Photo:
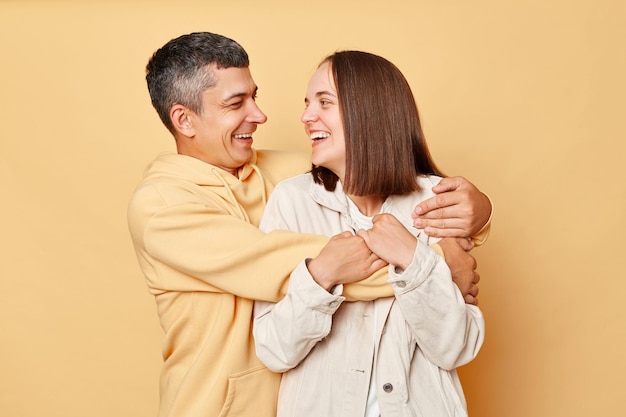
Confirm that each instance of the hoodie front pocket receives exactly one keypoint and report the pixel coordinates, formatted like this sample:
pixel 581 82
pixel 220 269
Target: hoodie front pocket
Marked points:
pixel 252 393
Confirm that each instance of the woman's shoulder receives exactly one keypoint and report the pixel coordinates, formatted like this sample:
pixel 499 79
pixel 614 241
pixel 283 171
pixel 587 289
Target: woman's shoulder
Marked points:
pixel 294 185
pixel 428 181
pixel 426 184
pixel 279 165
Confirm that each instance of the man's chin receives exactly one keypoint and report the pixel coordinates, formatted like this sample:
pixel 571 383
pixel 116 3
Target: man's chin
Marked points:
pixel 244 156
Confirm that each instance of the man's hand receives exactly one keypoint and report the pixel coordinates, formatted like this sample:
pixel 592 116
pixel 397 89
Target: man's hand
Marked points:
pixel 458 210
pixel 462 266
pixel 390 240
pixel 345 259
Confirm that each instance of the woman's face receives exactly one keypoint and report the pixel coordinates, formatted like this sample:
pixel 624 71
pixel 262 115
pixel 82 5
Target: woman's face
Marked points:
pixel 323 124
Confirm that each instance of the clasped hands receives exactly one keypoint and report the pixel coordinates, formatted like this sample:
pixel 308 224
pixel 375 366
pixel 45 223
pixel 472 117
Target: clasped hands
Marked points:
pixel 349 258
pixel 458 209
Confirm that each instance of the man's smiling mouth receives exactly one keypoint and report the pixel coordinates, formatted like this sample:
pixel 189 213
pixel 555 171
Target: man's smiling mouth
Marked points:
pixel 243 136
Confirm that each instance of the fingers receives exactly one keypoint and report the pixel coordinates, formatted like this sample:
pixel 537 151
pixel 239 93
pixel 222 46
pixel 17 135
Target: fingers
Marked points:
pixel 466 244
pixel 434 206
pixel 390 240
pixel 457 209
pixel 442 231
pixel 470 299
pixel 377 264
pixel 363 234
pixel 449 184
pixel 456 217
pixel 462 267
pixel 342 235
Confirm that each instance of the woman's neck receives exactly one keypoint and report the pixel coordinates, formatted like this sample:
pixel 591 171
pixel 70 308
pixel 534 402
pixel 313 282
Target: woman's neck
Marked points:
pixel 369 205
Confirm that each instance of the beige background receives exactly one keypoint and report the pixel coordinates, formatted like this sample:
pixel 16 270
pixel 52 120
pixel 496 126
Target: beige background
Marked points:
pixel 525 98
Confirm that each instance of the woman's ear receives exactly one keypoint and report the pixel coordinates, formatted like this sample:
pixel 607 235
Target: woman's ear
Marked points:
pixel 182 120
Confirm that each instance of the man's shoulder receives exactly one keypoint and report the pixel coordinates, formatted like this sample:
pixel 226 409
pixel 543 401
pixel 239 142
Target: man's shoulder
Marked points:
pixel 280 165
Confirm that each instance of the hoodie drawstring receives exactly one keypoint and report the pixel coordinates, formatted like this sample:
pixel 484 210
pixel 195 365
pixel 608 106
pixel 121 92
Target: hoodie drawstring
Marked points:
pixel 242 212
pixel 258 171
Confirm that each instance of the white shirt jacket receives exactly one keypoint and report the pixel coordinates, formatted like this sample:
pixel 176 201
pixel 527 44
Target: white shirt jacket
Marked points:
pixel 327 348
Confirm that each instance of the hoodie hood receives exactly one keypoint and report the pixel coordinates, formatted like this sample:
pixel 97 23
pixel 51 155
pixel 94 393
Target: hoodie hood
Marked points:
pixel 242 193
pixel 169 164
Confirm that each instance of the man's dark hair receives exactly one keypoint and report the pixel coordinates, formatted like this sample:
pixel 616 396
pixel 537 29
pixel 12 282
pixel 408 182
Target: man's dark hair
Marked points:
pixel 180 71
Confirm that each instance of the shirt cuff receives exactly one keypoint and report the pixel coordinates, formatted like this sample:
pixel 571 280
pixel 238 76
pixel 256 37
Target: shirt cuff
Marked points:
pixel 424 260
pixel 311 293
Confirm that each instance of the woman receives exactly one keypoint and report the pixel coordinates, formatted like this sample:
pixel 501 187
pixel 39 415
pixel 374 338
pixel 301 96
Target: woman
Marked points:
pixel 389 357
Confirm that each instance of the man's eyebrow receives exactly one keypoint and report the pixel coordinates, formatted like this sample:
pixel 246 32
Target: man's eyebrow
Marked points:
pixel 241 94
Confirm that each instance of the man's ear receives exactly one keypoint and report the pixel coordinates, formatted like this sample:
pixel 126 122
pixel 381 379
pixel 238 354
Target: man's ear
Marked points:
pixel 182 120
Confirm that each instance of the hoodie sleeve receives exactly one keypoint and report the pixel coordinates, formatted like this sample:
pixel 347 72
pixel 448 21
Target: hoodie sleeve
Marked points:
pixel 199 246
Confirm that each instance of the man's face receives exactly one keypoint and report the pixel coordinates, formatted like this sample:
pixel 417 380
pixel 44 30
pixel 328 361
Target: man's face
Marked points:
pixel 229 117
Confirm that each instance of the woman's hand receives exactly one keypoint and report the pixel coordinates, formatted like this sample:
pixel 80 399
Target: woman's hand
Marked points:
pixel 390 240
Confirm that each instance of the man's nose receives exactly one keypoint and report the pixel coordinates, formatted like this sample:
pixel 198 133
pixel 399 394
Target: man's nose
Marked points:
pixel 256 115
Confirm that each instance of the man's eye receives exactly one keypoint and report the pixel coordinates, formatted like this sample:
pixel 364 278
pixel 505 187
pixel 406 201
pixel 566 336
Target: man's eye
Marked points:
pixel 236 105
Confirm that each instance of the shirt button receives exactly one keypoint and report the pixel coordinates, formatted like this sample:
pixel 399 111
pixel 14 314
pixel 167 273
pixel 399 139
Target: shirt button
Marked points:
pixel 387 387
pixel 401 284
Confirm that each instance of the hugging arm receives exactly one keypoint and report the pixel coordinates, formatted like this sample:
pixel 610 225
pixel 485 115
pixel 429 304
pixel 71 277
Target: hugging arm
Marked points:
pixel 462 266
pixel 458 210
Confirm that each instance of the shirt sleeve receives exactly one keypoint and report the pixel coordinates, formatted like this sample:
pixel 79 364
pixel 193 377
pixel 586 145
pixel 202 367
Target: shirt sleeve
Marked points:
pixel 285 332
pixel 449 331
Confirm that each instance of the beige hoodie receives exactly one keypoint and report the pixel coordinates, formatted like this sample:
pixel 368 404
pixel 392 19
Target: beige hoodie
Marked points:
pixel 194 227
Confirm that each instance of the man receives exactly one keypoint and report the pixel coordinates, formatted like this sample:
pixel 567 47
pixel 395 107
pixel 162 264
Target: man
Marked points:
pixel 194 218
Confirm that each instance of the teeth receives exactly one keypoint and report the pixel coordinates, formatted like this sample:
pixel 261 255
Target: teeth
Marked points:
pixel 243 136
pixel 319 135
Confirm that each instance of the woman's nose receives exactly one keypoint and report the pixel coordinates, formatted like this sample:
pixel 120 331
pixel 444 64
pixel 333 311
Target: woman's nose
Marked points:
pixel 308 115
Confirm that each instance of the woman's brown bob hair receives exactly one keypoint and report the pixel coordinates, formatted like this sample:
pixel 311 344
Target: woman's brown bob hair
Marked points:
pixel 385 146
